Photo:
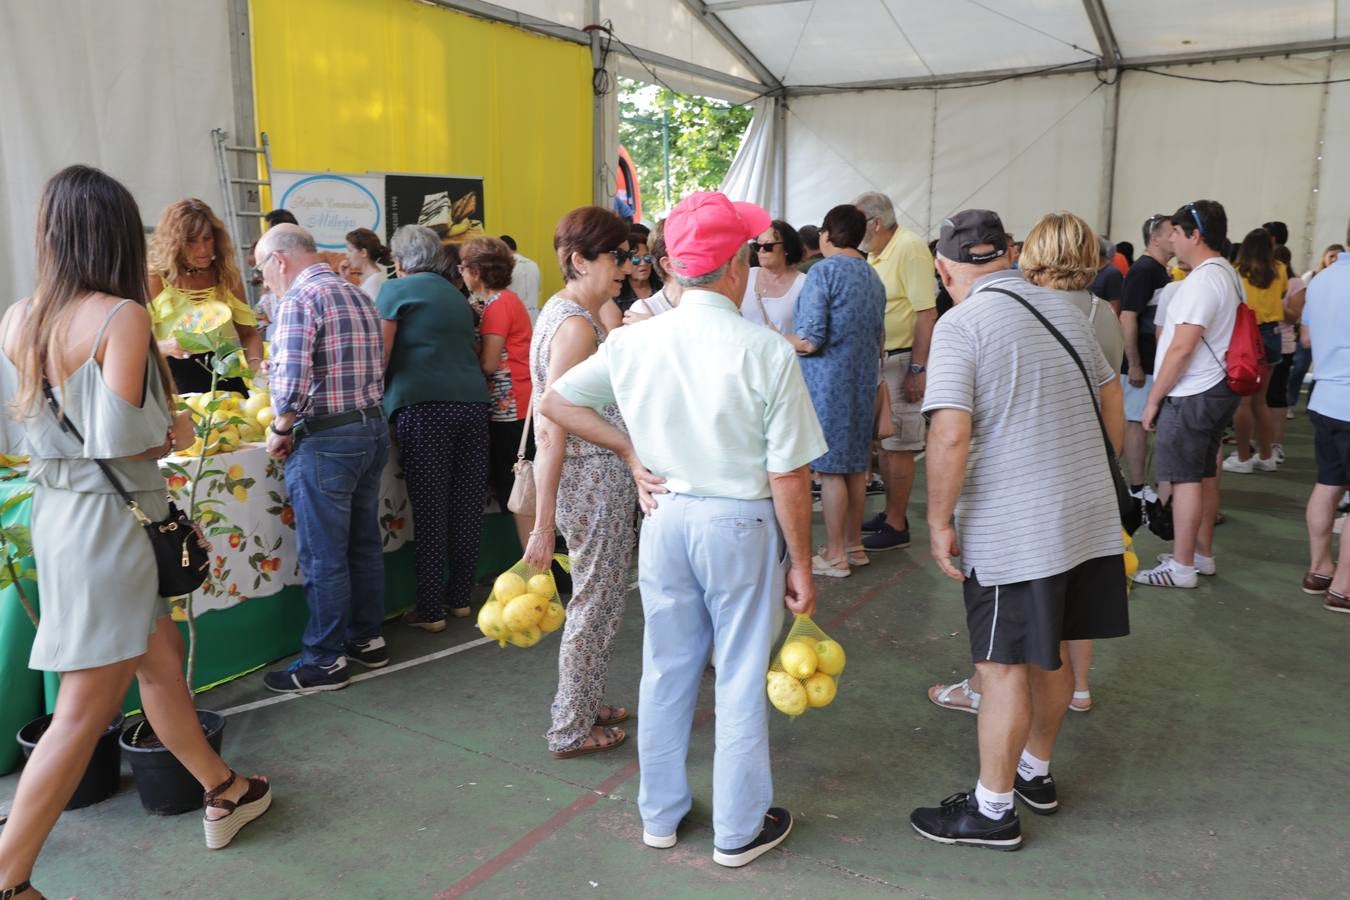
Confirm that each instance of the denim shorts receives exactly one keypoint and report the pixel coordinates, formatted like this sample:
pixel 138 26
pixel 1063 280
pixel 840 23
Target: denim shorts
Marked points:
pixel 1270 340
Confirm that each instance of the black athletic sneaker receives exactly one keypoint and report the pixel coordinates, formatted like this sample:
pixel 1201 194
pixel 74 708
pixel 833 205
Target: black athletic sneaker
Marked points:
pixel 875 488
pixel 1038 794
pixel 959 821
pixel 875 523
pixel 887 537
pixel 300 679
pixel 777 825
pixel 372 654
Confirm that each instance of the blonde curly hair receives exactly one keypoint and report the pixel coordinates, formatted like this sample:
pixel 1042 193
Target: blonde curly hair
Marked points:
pixel 1060 252
pixel 181 222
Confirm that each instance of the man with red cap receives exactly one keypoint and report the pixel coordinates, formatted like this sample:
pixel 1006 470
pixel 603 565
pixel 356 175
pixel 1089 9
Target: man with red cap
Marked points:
pixel 721 426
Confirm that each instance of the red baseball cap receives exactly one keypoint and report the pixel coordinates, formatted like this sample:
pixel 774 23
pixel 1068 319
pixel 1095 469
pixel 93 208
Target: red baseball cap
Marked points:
pixel 705 230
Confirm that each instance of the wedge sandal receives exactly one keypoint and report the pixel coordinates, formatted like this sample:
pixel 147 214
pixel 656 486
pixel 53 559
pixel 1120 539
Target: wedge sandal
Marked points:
pixel 238 813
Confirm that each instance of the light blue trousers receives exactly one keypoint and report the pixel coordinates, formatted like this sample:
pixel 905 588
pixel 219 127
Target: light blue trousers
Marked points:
pixel 712 573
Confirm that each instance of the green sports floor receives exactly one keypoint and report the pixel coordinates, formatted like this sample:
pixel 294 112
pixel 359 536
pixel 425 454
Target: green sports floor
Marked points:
pixel 1212 766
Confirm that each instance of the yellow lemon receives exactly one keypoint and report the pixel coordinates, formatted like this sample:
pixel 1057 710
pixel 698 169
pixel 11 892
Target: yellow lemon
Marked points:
pixel 490 621
pixel 255 402
pixel 830 657
pixel 526 637
pixel 820 690
pixel 798 659
pixel 542 584
pixel 1131 563
pixel 508 586
pixel 786 694
pixel 553 618
pixel 265 417
pixel 524 611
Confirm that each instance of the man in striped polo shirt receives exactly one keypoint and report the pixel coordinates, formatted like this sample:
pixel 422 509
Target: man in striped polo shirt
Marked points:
pixel 1017 456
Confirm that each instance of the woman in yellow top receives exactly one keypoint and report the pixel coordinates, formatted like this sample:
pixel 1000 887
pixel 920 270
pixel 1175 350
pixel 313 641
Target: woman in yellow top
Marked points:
pixel 195 286
pixel 1264 281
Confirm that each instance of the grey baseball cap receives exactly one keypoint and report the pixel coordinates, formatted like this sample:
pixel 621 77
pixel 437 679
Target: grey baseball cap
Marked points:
pixel 972 228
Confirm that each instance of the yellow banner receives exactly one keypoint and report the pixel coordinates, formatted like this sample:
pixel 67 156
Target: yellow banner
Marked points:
pixel 399 86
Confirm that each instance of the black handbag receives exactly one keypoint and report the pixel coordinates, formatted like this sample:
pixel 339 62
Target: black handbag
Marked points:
pixel 180 558
pixel 1126 504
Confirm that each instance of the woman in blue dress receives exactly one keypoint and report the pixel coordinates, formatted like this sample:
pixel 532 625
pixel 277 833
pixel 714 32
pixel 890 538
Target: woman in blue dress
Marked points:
pixel 839 333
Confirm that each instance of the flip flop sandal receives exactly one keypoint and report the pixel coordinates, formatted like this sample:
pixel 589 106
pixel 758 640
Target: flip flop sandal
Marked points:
pixel 238 813
pixel 616 715
pixel 941 695
pixel 1083 697
pixel 595 747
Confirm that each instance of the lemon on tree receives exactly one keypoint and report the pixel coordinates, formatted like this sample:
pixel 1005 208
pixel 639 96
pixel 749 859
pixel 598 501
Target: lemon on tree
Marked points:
pixel 830 657
pixel 798 659
pixel 820 689
pixel 786 693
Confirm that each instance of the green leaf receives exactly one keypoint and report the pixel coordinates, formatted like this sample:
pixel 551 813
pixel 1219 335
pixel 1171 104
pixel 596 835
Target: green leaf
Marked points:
pixel 16 500
pixel 194 342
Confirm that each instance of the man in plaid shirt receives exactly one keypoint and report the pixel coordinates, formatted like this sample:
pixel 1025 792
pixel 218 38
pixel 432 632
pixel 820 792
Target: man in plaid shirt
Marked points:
pixel 327 381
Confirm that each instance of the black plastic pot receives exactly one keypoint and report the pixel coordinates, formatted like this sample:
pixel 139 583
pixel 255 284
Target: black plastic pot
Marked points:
pixel 105 768
pixel 166 788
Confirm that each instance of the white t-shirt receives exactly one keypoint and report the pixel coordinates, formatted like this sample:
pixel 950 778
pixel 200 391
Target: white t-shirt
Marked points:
pixel 371 284
pixel 1161 300
pixel 653 305
pixel 525 283
pixel 775 312
pixel 1208 297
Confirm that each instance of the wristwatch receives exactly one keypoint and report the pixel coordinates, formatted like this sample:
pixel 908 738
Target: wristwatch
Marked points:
pixel 272 427
pixel 915 369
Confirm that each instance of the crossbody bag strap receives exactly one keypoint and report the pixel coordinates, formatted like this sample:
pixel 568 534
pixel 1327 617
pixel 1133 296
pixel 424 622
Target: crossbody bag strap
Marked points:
pixel 525 432
pixel 68 426
pixel 1092 389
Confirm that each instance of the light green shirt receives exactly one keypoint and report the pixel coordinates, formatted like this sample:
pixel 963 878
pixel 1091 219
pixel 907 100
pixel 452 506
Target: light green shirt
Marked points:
pixel 713 403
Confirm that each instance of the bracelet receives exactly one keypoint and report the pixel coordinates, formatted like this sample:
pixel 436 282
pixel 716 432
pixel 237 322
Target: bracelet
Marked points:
pixel 272 427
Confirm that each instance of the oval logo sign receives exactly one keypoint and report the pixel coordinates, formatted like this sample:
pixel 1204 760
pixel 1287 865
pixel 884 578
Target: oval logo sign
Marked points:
pixel 329 206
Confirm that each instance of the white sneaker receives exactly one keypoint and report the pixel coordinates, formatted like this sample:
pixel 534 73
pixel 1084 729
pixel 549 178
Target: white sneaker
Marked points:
pixel 1202 567
pixel 1233 464
pixel 1264 464
pixel 660 842
pixel 1166 575
pixel 1277 451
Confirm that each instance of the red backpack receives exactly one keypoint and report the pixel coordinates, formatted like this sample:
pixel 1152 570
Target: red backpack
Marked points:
pixel 1248 371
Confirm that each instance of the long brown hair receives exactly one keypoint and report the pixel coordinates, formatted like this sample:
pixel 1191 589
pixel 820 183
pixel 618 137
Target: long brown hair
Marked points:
pixel 181 222
pixel 89 239
pixel 1256 258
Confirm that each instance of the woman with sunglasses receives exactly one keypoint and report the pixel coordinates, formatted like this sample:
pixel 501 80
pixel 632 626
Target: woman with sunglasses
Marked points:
pixel 644 281
pixel 771 293
pixel 587 490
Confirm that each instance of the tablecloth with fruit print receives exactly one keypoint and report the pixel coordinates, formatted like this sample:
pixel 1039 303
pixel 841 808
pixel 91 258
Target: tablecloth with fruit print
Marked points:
pixel 244 508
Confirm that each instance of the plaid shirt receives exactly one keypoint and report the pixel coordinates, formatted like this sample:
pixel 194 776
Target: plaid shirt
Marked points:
pixel 327 347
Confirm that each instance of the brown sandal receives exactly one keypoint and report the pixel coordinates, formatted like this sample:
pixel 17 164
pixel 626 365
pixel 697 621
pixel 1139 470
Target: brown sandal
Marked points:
pixel 590 745
pixel 238 813
pixel 616 714
pixel 17 890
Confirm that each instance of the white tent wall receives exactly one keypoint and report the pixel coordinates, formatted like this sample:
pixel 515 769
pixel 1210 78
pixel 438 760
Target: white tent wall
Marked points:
pixel 1020 147
pixel 132 87
pixel 1332 207
pixel 1252 148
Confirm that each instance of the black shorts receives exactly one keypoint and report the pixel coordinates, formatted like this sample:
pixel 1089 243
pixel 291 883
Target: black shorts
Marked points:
pixel 1277 394
pixel 1023 623
pixel 1189 431
pixel 503 447
pixel 1331 445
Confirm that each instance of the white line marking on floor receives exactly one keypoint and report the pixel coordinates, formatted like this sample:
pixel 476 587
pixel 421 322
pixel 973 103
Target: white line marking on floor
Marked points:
pixel 364 676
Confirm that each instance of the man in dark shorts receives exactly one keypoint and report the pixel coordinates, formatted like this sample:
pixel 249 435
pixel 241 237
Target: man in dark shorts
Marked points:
pixel 1190 403
pixel 1039 527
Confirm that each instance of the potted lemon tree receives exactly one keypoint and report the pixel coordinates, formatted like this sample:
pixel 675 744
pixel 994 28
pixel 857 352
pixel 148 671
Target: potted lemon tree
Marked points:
pixel 165 786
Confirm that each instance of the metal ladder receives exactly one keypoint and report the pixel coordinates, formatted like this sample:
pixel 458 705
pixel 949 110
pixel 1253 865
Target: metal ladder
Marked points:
pixel 242 217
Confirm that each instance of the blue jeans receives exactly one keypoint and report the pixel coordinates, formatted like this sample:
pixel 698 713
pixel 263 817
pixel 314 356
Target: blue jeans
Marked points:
pixel 333 478
pixel 712 573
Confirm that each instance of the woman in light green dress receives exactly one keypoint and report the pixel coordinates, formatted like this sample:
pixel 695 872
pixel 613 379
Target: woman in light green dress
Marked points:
pixel 86 329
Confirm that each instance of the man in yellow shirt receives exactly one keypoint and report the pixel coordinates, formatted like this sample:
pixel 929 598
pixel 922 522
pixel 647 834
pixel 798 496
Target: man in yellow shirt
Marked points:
pixel 901 259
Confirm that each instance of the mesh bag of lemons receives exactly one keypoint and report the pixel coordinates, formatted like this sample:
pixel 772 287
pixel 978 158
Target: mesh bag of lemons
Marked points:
pixel 805 673
pixel 523 606
pixel 1131 560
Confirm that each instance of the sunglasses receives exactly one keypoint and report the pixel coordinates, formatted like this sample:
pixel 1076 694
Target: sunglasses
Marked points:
pixel 1196 216
pixel 619 256
pixel 766 247
pixel 641 260
pixel 1153 221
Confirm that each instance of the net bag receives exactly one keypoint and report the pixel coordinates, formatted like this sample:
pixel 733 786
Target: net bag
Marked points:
pixel 523 606
pixel 805 670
